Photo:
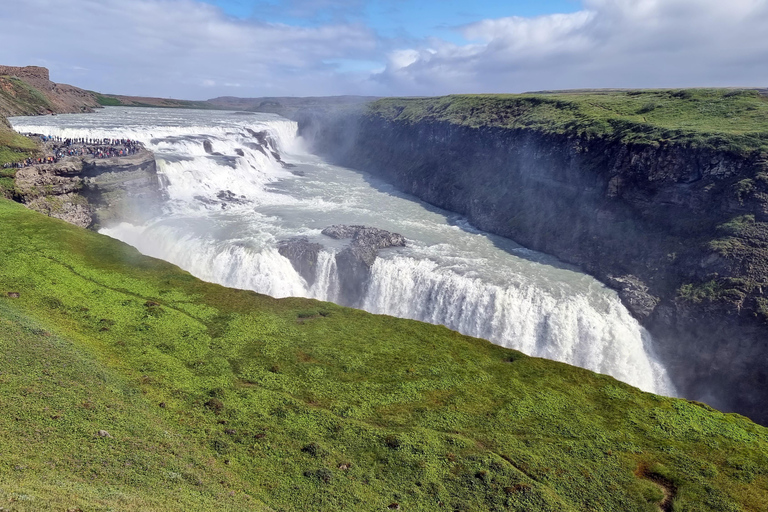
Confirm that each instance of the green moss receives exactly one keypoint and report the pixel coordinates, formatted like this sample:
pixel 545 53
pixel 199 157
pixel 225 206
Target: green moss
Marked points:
pixel 13 147
pixel 743 189
pixel 107 101
pixel 719 119
pixel 229 400
pixel 698 293
pixel 26 100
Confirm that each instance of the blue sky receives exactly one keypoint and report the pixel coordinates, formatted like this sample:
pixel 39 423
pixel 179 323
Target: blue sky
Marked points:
pixel 199 49
pixel 393 18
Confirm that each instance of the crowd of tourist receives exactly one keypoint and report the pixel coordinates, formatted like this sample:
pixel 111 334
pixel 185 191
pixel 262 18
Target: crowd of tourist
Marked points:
pixel 60 148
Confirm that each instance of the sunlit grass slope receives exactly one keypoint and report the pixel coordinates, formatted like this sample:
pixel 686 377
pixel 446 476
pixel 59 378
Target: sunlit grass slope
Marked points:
pixel 734 120
pixel 13 147
pixel 218 399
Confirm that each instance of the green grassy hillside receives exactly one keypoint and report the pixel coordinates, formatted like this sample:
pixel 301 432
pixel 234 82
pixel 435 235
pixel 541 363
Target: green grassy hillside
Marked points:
pixel 13 147
pixel 113 100
pixel 219 399
pixel 735 120
pixel 17 97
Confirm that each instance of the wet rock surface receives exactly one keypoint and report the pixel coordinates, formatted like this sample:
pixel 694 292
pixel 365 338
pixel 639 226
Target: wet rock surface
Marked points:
pixel 355 261
pixel 267 145
pixel 88 191
pixel 681 232
pixel 634 294
pixel 303 256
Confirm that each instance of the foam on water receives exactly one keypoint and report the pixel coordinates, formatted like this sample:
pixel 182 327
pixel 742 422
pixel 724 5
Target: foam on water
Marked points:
pixel 451 273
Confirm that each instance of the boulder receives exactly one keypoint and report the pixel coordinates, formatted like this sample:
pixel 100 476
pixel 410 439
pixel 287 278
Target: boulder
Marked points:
pixel 303 256
pixel 354 262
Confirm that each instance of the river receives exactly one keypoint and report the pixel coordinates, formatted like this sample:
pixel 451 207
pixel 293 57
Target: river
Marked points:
pixel 239 183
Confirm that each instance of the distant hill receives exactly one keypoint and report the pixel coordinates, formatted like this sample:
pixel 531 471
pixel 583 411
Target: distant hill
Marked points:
pixel 288 106
pixel 29 91
pixel 118 100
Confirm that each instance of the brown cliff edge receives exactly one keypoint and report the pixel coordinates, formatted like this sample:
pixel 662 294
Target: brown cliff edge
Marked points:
pixel 29 91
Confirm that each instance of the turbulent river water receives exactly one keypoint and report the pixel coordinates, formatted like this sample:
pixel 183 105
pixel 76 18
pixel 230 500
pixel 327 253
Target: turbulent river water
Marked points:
pixel 231 200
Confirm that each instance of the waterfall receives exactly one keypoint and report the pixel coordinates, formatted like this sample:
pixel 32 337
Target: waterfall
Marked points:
pixel 232 198
pixel 599 335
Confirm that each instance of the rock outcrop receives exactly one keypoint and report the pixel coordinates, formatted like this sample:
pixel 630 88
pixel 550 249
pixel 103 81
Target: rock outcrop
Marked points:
pixel 92 192
pixel 26 72
pixel 679 231
pixel 355 261
pixel 29 91
pixel 303 256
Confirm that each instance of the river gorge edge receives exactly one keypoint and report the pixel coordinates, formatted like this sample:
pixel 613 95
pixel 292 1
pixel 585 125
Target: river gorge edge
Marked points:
pixel 649 220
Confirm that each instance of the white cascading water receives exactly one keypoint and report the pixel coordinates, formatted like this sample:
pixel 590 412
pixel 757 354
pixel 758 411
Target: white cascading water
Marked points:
pixel 231 201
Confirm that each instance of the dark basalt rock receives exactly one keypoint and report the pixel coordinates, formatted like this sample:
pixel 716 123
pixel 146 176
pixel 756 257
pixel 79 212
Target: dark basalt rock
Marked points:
pixel 208 147
pixel 685 228
pixel 634 294
pixel 365 236
pixel 88 191
pixel 227 196
pixel 267 145
pixel 354 263
pixel 303 256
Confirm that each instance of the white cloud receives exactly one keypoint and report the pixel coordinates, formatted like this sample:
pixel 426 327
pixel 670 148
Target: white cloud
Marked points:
pixel 179 48
pixel 186 48
pixel 610 43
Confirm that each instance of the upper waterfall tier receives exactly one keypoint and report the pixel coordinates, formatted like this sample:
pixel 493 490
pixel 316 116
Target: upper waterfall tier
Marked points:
pixel 239 185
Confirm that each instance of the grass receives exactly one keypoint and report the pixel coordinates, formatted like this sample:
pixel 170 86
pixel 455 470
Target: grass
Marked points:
pixel 229 400
pixel 13 147
pixel 109 100
pixel 720 119
pixel 21 98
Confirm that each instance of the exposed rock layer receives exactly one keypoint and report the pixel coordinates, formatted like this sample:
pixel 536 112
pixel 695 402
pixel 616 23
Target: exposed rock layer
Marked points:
pixel 29 91
pixel 655 222
pixel 89 192
pixel 355 261
pixel 303 256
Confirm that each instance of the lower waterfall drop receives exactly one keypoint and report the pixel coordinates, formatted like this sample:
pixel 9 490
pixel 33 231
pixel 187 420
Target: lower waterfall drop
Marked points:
pixel 238 186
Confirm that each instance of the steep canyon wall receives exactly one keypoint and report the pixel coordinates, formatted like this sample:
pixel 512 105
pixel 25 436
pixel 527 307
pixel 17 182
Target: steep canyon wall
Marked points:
pixel 677 230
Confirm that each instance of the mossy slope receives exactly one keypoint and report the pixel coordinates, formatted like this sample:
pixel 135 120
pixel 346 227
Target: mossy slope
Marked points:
pixel 721 119
pixel 222 399
pixel 13 147
pixel 114 100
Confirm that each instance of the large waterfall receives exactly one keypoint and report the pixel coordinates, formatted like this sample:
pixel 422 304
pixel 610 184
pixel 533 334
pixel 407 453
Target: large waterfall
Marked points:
pixel 238 184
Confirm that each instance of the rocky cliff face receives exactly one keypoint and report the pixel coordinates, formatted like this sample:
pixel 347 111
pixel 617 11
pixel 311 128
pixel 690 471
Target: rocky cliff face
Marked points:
pixel 29 91
pixel 678 231
pixel 92 192
pixel 354 262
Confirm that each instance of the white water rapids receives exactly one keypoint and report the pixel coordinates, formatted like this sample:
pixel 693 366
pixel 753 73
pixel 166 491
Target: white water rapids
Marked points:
pixel 227 211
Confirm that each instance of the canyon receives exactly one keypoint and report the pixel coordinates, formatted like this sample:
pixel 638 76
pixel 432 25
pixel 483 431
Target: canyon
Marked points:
pixel 677 229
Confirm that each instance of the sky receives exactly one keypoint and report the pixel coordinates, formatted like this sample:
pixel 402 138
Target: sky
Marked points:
pixel 200 49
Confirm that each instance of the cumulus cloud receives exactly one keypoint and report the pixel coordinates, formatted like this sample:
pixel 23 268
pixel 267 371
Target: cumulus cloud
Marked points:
pixel 190 49
pixel 610 43
pixel 179 48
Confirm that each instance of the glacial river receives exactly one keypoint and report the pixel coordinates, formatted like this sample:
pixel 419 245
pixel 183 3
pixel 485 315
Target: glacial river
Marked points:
pixel 231 201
